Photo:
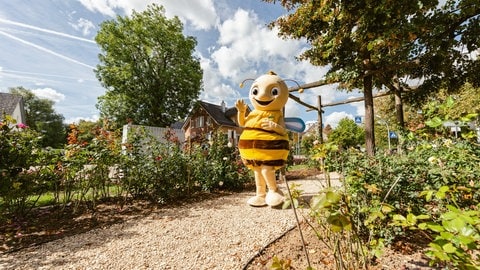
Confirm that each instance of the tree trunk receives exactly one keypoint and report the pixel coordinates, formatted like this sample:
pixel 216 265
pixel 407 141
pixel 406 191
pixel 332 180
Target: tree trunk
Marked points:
pixel 369 116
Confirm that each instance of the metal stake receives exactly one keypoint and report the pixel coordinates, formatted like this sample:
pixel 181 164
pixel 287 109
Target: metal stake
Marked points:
pixel 282 175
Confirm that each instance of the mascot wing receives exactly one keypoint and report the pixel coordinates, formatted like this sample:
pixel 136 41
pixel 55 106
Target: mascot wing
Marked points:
pixel 294 124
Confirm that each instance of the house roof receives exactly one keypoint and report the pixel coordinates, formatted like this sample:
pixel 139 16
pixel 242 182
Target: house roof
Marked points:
pixel 217 113
pixel 8 103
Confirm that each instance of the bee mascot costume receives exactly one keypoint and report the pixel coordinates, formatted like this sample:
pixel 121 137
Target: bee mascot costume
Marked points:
pixel 263 144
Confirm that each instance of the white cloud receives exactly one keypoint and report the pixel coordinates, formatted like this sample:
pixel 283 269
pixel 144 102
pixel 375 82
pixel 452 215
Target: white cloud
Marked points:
pixel 360 108
pixel 214 89
pixel 238 28
pixel 200 13
pixel 49 93
pixel 335 117
pixel 247 47
pixel 292 109
pixel 76 120
pixel 102 6
pixel 83 25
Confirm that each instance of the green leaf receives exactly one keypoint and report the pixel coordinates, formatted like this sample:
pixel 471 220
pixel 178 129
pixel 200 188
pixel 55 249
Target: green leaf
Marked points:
pixel 286 204
pixel 454 225
pixel 387 208
pixel 435 227
pixel 422 217
pixel 434 122
pixel 441 193
pixel 422 226
pixel 449 248
pixel 318 202
pixel 449 102
pixel 295 202
pixel 339 222
pixel 398 217
pixel 333 197
pixel 449 215
pixel 447 235
pixel 468 231
pixel 428 194
pixel 465 240
pixel 411 219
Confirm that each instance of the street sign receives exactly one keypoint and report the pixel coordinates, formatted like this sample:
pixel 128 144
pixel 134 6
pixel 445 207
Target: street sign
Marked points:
pixel 358 119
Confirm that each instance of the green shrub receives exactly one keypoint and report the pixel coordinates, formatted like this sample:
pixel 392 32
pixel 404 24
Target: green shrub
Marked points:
pixel 164 171
pixel 19 167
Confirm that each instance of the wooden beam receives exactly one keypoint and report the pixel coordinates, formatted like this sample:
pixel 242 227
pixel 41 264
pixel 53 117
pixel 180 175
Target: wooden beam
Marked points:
pixel 297 99
pixel 309 85
pixel 358 99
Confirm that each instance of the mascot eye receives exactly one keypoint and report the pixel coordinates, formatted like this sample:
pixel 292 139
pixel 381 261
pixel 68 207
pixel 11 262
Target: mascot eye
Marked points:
pixel 275 91
pixel 255 91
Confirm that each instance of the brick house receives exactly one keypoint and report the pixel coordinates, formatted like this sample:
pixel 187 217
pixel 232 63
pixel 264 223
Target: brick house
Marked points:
pixel 205 118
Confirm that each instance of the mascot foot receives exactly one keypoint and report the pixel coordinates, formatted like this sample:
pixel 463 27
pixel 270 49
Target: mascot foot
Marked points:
pixel 257 201
pixel 274 198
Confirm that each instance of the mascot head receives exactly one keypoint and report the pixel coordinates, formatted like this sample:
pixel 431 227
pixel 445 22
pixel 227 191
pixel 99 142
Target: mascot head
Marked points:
pixel 269 93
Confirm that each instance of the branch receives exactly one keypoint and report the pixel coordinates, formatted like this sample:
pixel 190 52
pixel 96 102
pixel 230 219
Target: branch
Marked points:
pixel 413 63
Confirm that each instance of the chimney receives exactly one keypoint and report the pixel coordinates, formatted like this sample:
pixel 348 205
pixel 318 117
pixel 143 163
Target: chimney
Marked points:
pixel 223 106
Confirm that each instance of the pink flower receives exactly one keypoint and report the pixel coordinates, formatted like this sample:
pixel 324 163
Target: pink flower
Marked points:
pixel 22 125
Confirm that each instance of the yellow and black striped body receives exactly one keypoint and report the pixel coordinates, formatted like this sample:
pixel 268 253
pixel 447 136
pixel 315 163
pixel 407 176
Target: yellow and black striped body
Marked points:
pixel 262 147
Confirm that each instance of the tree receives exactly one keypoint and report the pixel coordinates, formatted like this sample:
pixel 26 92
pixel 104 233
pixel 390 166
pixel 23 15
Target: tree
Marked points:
pixel 466 101
pixel 347 134
pixel 148 69
pixel 41 117
pixel 381 44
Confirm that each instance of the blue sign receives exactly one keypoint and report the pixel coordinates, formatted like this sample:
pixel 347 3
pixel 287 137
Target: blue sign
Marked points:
pixel 392 135
pixel 358 119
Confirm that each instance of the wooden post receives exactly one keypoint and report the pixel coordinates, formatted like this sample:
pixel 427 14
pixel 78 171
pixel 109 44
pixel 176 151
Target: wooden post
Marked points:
pixel 320 121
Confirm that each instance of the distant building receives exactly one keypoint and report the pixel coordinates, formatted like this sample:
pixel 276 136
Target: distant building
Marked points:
pixel 12 105
pixel 312 130
pixel 206 118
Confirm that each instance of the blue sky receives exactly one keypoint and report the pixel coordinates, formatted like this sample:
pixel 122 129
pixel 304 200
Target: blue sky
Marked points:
pixel 48 47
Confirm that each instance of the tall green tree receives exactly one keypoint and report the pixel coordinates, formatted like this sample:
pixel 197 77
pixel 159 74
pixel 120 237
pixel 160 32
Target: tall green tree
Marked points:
pixel 41 117
pixel 148 68
pixel 380 44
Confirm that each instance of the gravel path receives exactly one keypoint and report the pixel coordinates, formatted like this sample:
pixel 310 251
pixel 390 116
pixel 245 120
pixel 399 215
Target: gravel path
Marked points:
pixel 223 233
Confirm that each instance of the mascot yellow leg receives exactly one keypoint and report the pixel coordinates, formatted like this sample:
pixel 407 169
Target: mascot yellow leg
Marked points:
pixel 265 177
pixel 274 196
pixel 261 190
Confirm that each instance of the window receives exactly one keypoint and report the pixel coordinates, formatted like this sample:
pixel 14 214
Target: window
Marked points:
pixel 200 121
